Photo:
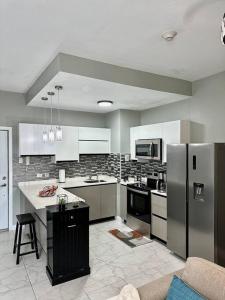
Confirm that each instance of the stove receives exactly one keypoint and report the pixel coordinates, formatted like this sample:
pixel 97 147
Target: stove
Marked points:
pixel 139 204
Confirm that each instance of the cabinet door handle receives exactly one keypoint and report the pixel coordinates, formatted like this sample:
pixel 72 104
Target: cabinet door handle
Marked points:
pixel 70 226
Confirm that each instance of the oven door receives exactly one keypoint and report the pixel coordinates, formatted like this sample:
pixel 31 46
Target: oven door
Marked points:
pixel 139 204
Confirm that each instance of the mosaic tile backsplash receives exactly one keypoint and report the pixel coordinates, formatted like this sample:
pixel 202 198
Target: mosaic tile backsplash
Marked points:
pixel 88 165
pixel 111 164
pixel 134 168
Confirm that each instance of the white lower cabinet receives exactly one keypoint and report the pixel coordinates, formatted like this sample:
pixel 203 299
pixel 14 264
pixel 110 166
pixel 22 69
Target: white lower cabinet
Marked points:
pixel 159 228
pixel 123 202
pixel 159 216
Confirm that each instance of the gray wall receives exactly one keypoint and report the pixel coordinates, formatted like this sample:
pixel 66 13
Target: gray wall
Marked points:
pixel 120 122
pixel 113 122
pixel 128 118
pixel 13 110
pixel 206 109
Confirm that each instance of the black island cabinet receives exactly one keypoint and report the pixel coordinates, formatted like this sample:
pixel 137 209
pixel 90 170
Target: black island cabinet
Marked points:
pixel 67 242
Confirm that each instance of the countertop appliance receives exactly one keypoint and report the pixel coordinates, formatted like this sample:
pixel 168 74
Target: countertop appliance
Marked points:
pixel 139 204
pixel 195 200
pixel 62 175
pixel 67 242
pixel 161 182
pixel 148 149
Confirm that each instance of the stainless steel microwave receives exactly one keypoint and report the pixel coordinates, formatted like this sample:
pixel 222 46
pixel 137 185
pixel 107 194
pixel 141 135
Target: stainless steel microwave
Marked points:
pixel 149 149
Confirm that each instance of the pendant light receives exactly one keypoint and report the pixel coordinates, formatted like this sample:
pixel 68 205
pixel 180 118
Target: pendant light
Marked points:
pixel 59 133
pixel 45 133
pixel 51 134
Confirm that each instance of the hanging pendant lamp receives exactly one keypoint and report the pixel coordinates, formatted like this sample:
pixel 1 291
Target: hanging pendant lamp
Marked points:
pixel 59 132
pixel 51 134
pixel 45 133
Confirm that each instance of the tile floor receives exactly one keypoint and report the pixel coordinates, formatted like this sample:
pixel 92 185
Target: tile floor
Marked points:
pixel 113 265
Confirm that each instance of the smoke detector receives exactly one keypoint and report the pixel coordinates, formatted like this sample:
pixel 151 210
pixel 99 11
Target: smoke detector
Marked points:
pixel 169 35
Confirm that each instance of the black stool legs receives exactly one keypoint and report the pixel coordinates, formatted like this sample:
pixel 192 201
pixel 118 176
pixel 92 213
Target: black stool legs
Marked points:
pixel 19 245
pixel 25 219
pixel 15 239
pixel 35 241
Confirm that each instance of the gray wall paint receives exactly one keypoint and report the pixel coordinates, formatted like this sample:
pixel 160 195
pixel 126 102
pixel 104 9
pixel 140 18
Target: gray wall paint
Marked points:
pixel 128 118
pixel 206 109
pixel 120 122
pixel 13 109
pixel 103 71
pixel 113 122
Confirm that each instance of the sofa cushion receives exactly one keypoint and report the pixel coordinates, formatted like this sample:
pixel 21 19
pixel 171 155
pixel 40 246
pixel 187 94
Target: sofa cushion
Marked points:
pixel 157 289
pixel 180 290
pixel 205 277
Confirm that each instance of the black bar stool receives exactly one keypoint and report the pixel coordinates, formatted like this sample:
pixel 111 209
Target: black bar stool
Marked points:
pixel 25 219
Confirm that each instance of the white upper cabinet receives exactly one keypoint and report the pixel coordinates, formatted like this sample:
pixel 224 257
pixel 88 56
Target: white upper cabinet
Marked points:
pixel 94 147
pixel 174 132
pixel 153 131
pixel 83 140
pixel 31 140
pixel 94 140
pixel 68 148
pixel 94 134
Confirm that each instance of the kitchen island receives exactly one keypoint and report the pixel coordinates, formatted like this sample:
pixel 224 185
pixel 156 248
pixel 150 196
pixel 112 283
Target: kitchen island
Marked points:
pixel 37 205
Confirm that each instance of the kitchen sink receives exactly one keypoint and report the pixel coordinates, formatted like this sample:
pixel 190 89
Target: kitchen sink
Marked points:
pixel 94 181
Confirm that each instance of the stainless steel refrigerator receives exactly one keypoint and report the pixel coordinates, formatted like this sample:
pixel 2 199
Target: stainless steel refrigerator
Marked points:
pixel 196 200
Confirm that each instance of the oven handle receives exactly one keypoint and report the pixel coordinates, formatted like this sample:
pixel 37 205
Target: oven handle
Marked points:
pixel 137 191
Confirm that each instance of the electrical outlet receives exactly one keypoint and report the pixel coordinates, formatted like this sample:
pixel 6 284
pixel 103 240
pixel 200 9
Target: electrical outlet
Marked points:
pixel 46 175
pixel 39 175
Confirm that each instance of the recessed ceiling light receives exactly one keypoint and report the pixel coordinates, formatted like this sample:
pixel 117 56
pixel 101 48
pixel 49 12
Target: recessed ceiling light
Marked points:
pixel 105 103
pixel 169 35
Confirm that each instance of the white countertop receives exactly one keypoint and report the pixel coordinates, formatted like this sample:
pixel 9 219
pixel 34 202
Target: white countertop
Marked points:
pixel 31 189
pixel 163 194
pixel 130 181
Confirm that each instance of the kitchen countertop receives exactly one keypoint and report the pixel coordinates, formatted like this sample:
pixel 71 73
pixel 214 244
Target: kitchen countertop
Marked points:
pixel 156 192
pixel 131 181
pixel 30 189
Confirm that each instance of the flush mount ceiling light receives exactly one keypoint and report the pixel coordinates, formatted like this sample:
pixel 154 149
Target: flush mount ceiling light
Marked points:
pixel 44 98
pixel 169 35
pixel 105 103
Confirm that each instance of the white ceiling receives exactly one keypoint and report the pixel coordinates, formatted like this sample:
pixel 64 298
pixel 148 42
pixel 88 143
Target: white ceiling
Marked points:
pixel 121 32
pixel 82 93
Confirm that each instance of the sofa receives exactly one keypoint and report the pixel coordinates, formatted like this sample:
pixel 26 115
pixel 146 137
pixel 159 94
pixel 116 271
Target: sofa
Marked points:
pixel 203 276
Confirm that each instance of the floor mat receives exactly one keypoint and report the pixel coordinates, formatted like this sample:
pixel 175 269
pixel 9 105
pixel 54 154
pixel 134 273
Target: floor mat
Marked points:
pixel 130 238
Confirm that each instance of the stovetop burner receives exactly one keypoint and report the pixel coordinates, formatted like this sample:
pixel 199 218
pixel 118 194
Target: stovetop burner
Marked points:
pixel 140 186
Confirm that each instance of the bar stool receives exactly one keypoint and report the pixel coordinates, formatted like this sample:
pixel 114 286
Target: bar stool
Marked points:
pixel 25 219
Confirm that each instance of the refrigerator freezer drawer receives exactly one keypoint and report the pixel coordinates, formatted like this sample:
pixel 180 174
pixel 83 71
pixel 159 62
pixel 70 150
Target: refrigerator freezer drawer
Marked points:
pixel 159 206
pixel 159 228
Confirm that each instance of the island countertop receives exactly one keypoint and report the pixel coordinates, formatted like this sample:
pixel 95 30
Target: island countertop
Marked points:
pixel 30 189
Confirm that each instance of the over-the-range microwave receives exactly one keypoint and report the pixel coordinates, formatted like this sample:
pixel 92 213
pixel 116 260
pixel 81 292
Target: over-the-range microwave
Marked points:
pixel 149 149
